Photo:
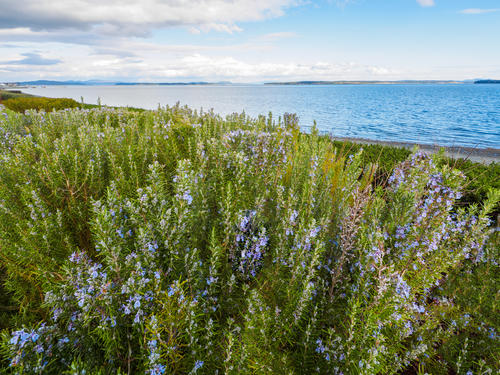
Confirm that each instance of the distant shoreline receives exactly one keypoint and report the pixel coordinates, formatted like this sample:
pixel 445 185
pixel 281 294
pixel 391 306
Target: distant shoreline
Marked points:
pixel 24 84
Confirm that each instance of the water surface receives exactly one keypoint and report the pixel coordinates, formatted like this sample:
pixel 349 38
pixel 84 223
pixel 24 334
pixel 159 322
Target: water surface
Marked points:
pixel 449 115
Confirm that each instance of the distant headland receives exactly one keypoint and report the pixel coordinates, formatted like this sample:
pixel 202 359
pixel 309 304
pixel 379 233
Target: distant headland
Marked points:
pixel 488 81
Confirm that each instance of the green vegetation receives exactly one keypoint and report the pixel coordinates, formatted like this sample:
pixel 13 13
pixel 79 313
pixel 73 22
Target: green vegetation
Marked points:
pixel 481 178
pixel 97 106
pixel 22 104
pixel 179 242
pixel 11 94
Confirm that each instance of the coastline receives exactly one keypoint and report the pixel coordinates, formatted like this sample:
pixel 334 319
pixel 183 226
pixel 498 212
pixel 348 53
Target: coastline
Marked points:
pixel 477 155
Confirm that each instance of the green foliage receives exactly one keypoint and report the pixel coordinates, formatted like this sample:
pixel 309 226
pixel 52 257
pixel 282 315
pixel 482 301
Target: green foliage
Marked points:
pixel 172 241
pixel 385 157
pixel 95 106
pixel 475 316
pixel 10 94
pixel 482 178
pixel 22 104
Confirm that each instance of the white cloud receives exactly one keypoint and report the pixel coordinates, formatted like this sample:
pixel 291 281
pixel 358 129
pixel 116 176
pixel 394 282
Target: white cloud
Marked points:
pixel 197 66
pixel 216 27
pixel 25 34
pixel 426 3
pixel 230 68
pixel 137 18
pixel 479 11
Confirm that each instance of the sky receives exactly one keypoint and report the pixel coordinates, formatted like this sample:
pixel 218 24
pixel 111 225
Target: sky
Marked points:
pixel 249 40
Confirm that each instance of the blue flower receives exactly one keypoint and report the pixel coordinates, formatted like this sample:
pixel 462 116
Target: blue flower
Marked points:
pixel 14 339
pixel 187 197
pixel 137 317
pixel 197 365
pixel 81 301
pixel 157 369
pixel 402 288
pixel 126 309
pixel 319 346
pixel 170 291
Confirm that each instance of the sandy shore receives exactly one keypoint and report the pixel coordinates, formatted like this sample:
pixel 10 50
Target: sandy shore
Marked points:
pixel 479 155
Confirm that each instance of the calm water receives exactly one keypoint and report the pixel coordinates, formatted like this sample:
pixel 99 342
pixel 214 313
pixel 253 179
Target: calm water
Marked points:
pixel 452 115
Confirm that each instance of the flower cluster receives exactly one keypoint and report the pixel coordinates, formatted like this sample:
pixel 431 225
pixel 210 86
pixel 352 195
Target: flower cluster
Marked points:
pixel 251 244
pixel 33 348
pixel 262 149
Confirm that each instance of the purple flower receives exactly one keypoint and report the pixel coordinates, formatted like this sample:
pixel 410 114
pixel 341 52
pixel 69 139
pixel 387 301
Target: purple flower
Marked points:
pixel 75 257
pixel 56 313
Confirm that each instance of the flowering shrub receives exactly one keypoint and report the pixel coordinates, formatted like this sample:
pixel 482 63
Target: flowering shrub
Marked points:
pixel 172 241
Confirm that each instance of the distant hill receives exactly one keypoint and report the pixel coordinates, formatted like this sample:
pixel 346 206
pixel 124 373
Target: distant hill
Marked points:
pixel 49 83
pixel 171 83
pixel 487 81
pixel 100 83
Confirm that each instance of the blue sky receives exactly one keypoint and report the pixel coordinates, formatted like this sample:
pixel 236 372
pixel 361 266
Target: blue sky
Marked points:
pixel 249 40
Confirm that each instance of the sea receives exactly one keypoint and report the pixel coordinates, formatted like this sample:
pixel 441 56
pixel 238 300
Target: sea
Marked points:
pixel 456 115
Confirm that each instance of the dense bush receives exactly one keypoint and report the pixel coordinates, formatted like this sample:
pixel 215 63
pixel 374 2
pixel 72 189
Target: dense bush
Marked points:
pixel 9 94
pixel 175 242
pixel 481 178
pixel 22 104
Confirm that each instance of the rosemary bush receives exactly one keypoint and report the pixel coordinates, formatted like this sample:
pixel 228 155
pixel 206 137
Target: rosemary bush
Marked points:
pixel 179 242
